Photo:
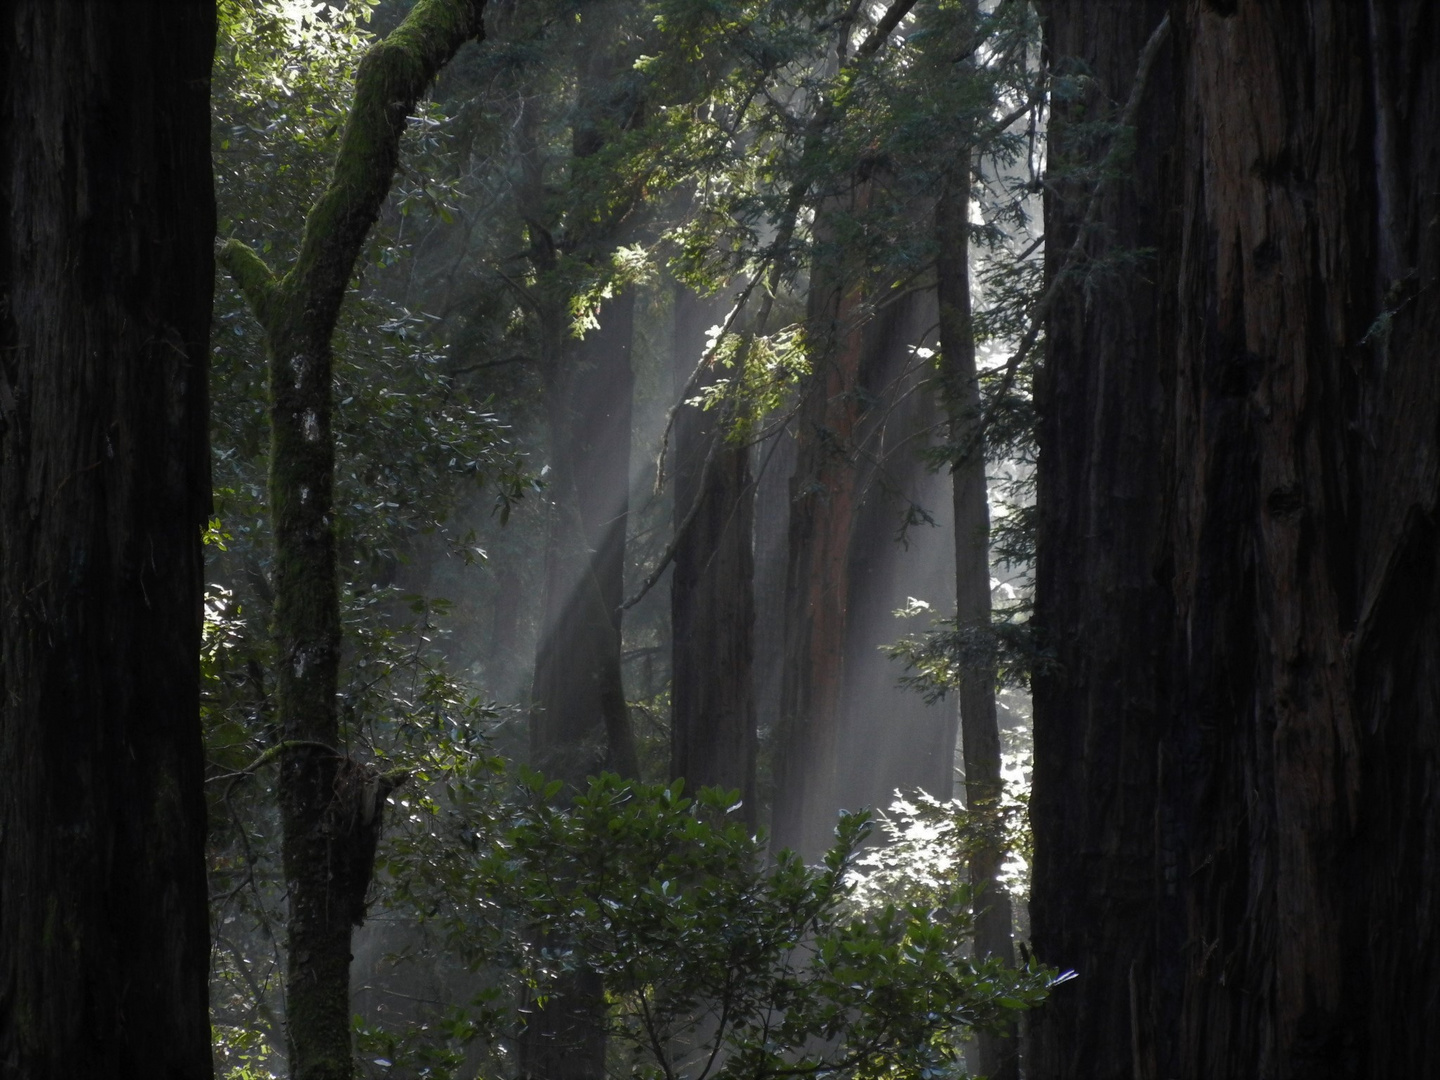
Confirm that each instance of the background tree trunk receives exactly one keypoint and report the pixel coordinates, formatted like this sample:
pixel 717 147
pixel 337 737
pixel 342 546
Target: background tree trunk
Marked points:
pixel 824 491
pixel 854 470
pixel 106 265
pixel 712 602
pixel 890 737
pixel 580 723
pixel 1272 917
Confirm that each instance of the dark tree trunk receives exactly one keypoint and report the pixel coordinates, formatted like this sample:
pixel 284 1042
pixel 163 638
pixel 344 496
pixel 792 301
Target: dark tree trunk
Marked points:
pixel 712 603
pixel 997 1053
pixel 1273 912
pixel 580 723
pixel 331 806
pixel 774 463
pixel 1307 474
pixel 1103 872
pixel 579 719
pixel 106 266
pixel 847 736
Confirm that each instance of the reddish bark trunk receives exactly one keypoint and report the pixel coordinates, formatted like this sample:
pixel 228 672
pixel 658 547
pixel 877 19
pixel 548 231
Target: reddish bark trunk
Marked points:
pixel 1288 771
pixel 823 494
pixel 891 738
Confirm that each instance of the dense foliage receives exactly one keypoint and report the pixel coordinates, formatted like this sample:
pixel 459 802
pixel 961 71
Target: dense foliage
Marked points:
pixel 589 150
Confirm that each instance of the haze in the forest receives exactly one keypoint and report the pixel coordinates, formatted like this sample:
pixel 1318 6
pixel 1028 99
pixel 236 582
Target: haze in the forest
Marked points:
pixel 719 539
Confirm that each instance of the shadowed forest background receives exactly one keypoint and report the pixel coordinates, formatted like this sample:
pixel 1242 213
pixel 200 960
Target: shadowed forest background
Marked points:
pixel 719 538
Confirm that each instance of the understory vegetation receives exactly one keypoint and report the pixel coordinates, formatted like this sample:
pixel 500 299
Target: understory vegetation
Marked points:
pixel 763 172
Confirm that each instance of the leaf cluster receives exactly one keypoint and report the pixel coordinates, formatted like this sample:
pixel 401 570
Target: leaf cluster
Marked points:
pixel 718 961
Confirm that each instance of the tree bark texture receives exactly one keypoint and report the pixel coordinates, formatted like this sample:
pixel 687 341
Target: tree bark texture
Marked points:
pixel 331 806
pixel 106 265
pixel 1105 865
pixel 712 602
pixel 1293 470
pixel 997 1053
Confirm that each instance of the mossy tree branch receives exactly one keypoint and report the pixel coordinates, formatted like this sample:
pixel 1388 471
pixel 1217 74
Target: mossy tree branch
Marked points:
pixel 392 78
pixel 327 857
pixel 251 274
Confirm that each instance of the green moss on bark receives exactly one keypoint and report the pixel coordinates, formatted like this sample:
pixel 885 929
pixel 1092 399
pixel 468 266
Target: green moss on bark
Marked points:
pixel 298 315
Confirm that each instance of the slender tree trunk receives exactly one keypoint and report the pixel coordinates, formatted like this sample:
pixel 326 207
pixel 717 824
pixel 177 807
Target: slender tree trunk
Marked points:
pixel 998 1055
pixel 712 605
pixel 106 265
pixel 331 806
pixel 579 721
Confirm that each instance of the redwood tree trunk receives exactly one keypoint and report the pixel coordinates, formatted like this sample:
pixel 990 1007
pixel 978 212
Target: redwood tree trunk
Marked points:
pixel 1307 474
pixel 1291 795
pixel 579 720
pixel 890 737
pixel 1105 868
pixel 843 520
pixel 823 496
pixel 712 603
pixel 106 265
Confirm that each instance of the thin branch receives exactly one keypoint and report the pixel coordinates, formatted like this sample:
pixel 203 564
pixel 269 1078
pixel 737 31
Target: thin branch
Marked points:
pixel 273 753
pixel 884 28
pixel 684 527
